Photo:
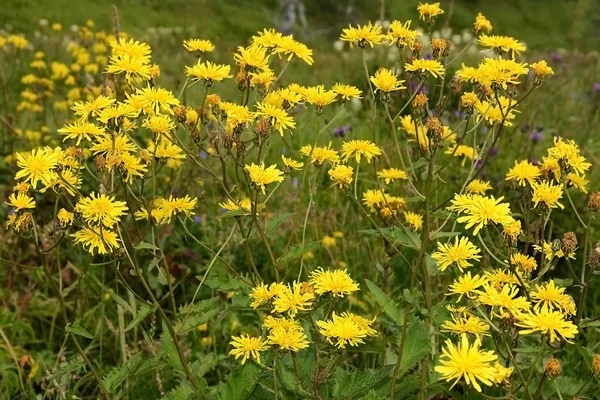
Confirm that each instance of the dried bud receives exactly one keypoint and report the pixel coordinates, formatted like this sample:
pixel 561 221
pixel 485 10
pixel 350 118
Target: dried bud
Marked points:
pixel 456 84
pixel 435 129
pixel 594 202
pixel 179 113
pixel 569 243
pixel 146 156
pixel 100 161
pixel 552 368
pixel 419 104
pixel 263 126
pixel 593 258
pixel 416 48
pixel 440 48
pixel 596 364
pixel 241 80
pixel 227 141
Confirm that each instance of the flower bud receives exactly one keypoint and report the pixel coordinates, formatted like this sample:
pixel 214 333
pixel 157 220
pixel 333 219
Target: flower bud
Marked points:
pixel 569 243
pixel 594 202
pixel 552 368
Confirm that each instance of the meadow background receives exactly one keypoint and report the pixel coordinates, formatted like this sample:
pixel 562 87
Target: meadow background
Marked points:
pixel 566 33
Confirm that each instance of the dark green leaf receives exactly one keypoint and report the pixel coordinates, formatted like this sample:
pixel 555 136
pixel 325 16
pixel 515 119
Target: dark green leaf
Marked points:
pixel 118 374
pixel 290 381
pixel 296 252
pixel 396 235
pixel 186 324
pixel 77 329
pixel 142 313
pixel 145 246
pixel 416 345
pixel 239 385
pixel 350 384
pixel 168 350
pixel 391 308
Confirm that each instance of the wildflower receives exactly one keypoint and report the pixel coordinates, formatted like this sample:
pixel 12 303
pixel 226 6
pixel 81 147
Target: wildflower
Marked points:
pixel 482 24
pixel 101 209
pixel 567 155
pixel 414 220
pixel 198 46
pixel 502 44
pixel 385 81
pixel 157 99
pixel 276 116
pixel 291 164
pixel 208 72
pixel 498 277
pixel 81 130
pixel 267 38
pixel 548 194
pixel 505 299
pixel 548 322
pixel 596 364
pixel 290 98
pixel 159 124
pixel 262 294
pixel 288 339
pixel 288 46
pixel 469 100
pixel 65 218
pixel 170 154
pixel 401 35
pixel 93 108
pixel 359 148
pixel 246 346
pixel 320 154
pixel 541 69
pixel 132 68
pixel 262 79
pixel 287 324
pixel 522 172
pixel 237 115
pixel 341 175
pixel 427 12
pixel 37 166
pixel 336 282
pixel 461 325
pixel 318 96
pixel 292 299
pixel 502 373
pixel 345 329
pixel 253 57
pixel 131 48
pixel 97 239
pixel 391 174
pixel 346 92
pixel 499 72
pixel 423 66
pixel 468 362
pixel 363 35
pixel 552 368
pixel 328 241
pixel 551 297
pixel 523 262
pixel 375 199
pixel 244 205
pixel 577 181
pixel 20 201
pixel 467 285
pixel 462 151
pixel 458 253
pixel 481 210
pixel 477 186
pixel 261 176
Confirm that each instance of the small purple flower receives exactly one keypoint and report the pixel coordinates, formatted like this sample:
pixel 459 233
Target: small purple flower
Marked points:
pixel 536 136
pixel 197 219
pixel 415 84
pixel 556 57
pixel 493 151
pixel 428 56
pixel 295 182
pixel 341 131
pixel 484 175
pixel 203 155
pixel 596 87
pixel 535 161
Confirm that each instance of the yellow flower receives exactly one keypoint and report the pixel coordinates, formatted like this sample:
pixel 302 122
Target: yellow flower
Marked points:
pixel 462 151
pixel 20 201
pixel 523 262
pixel 502 44
pixel 579 182
pixel 262 79
pixel 158 99
pixel 288 339
pixel 467 285
pixel 328 241
pixel 65 218
pixel 567 155
pixel 547 193
pixel 208 71
pixel 129 163
pixel 159 124
pixel 261 176
pixel 461 325
pixel 320 154
pixel 288 46
pixel 262 294
pixel 363 35
pixel 165 209
pixel 290 97
pixel 549 296
pixel 547 322
pixel 336 282
pixel 292 299
pixel 101 209
pixel 477 186
pixel 423 66
pixel 482 24
pixel 171 154
pixel 481 210
pixel 245 205
pixel 133 68
pixel 253 57
pixel 37 166
pixel 505 299
pixel 347 92
pixel 93 108
pixel 522 172
pixel 277 117
pixel 237 115
pixel 342 175
pixel 81 130
pixel 345 329
pixel 468 362
pixel 401 35
pixel 291 164
pixel 385 81
pixel 391 174
pixel 246 346
pixel 469 100
pixel 541 69
pixel 318 96
pixel 97 239
pixel 107 145
pixel 427 12
pixel 414 220
pixel 198 46
pixel 496 72
pixel 131 48
pixel 457 254
pixel 267 38
pixel 359 148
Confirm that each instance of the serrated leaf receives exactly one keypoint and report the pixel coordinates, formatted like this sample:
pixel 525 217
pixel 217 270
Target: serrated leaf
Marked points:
pixel 240 384
pixel 297 251
pixel 225 283
pixel 145 246
pixel 421 162
pixel 350 384
pixel 443 235
pixel 153 264
pixel 416 345
pixel 141 314
pixel 168 350
pixel 397 235
pixel 568 387
pixel 77 329
pixel 198 307
pixel 183 392
pixel 118 374
pixel 71 366
pixel 391 308
pixel 291 382
pixel 162 276
pixel 187 324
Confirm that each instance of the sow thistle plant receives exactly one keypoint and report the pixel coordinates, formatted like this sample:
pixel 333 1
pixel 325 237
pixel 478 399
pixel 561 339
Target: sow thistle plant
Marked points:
pixel 461 284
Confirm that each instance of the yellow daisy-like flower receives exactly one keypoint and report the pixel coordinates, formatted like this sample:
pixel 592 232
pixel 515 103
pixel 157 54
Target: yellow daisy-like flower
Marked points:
pixel 246 347
pixel 385 81
pixel 567 154
pixel 198 46
pixel 292 299
pixel 468 362
pixel 208 72
pixel 477 186
pixel 548 194
pixel 363 35
pixel 541 69
pixel 267 38
pixel 462 151
pixel 457 254
pixel 37 166
pixel 523 172
pixel 342 175
pixel 358 149
pixel 577 181
pixel 547 322
pixel 391 174
pixel 328 241
pixel 319 96
pixel 262 294
pixel 20 201
pixel 93 108
pixel 320 154
pixel 468 323
pixel 427 12
pixel 291 164
pixel 347 329
pixel 505 299
pixel 481 210
pixel 290 97
pixel 414 220
pixel 401 35
pixel 98 240
pixel 253 57
pixel 81 130
pixel 347 92
pixel 423 66
pixel 467 285
pixel 131 48
pixel 237 115
pixel 261 176
pixel 65 218
pixel 499 72
pixel 101 209
pixel 132 68
pixel 158 99
pixel 293 339
pixel 159 124
pixel 481 24
pixel 291 48
pixel 502 44
pixel 523 262
pixel 276 116
pixel 262 79
pixel 551 297
pixel 336 282
pixel 245 205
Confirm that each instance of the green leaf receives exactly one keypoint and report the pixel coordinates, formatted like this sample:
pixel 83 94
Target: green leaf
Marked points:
pixel 297 251
pixel 145 246
pixel 443 235
pixel 77 329
pixel 589 324
pixel 142 313
pixel 276 221
pixel 183 392
pixel 421 162
pixel 198 307
pixel 416 345
pixel 163 278
pixel 291 382
pixel 568 387
pixel 118 374
pixel 391 308
pixel 153 264
pixel 225 283
pixel 168 349
pixel 187 324
pixel 563 282
pixel 240 385
pixel 73 365
pixel 396 235
pixel 350 384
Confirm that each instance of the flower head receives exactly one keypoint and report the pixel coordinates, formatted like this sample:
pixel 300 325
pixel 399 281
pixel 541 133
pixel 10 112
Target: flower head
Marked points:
pixel 423 66
pixel 208 72
pixel 548 322
pixel 391 174
pixel 363 35
pixel 522 172
pixel 467 285
pixel 385 81
pixel 261 176
pixel 277 117
pixel 345 329
pixel 346 92
pixel 198 46
pixel 502 44
pixel 292 299
pixel 359 148
pixel 341 174
pixel 481 210
pixel 401 35
pixel 336 282
pixel 548 194
pixel 37 166
pixel 457 254
pixel 100 209
pixel 98 240
pixel 414 220
pixel 20 201
pixel 427 12
pixel 246 346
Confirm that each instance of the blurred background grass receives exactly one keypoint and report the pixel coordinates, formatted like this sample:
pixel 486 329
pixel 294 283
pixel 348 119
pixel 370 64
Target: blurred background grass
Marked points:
pixel 543 25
